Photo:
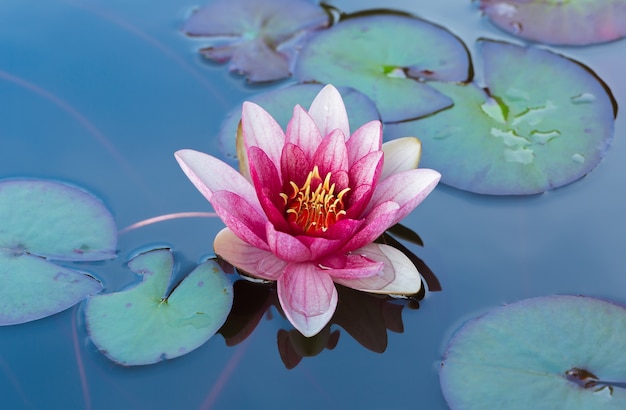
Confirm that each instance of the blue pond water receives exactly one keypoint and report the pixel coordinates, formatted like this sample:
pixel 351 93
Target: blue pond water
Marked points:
pixel 100 94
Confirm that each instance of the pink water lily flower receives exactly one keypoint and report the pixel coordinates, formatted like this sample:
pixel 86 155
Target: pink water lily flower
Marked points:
pixel 315 200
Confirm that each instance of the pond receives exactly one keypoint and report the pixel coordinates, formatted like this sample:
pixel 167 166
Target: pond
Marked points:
pixel 101 94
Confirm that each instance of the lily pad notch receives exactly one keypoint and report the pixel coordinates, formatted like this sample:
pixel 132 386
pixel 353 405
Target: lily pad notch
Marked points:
pixel 45 221
pixel 144 325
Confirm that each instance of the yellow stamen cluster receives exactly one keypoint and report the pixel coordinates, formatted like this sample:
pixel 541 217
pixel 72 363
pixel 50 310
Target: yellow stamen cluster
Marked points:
pixel 314 209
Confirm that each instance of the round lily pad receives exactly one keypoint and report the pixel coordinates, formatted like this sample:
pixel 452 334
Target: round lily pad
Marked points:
pixel 144 325
pixel 542 121
pixel 389 56
pixel 554 352
pixel 280 102
pixel 571 22
pixel 259 38
pixel 55 220
pixel 43 220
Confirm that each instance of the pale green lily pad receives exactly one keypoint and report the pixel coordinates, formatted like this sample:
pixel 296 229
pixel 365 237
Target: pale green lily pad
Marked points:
pixel 571 22
pixel 544 122
pixel 55 221
pixel 280 103
pixel 48 220
pixel 389 56
pixel 554 352
pixel 143 325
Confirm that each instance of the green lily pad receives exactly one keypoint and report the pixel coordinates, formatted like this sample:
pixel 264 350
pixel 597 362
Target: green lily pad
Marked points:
pixel 280 102
pixel 571 22
pixel 554 352
pixel 543 121
pixel 144 325
pixel 44 220
pixel 389 56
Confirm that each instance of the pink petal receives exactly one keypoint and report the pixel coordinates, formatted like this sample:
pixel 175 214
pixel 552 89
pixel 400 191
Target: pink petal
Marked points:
pixel 331 155
pixel 209 175
pixel 329 112
pixel 366 139
pixel 364 176
pixel 295 167
pixel 261 130
pixel 285 246
pixel 308 297
pixel 401 154
pixel 303 132
pixel 241 218
pixel 253 261
pixel 268 187
pixel 398 276
pixel 377 221
pixel 350 266
pixel 407 189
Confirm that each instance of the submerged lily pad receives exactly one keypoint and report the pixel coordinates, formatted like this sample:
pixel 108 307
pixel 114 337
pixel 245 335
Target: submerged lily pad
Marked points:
pixel 259 37
pixel 280 102
pixel 48 220
pixel 389 56
pixel 554 352
pixel 144 325
pixel 543 121
pixel 571 22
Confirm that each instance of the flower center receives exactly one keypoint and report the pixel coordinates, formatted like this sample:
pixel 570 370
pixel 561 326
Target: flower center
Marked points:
pixel 314 206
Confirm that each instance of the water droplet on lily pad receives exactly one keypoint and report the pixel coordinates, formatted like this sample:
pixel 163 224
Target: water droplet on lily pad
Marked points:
pixel 553 352
pixel 144 325
pixel 42 221
pixel 391 57
pixel 259 38
pixel 571 22
pixel 509 142
pixel 280 102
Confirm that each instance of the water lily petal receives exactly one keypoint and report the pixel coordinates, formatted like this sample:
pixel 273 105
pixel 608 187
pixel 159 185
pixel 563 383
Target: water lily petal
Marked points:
pixel 268 186
pixel 285 246
pixel 366 139
pixel 243 219
pixel 351 266
pixel 294 167
pixel 250 259
pixel 261 130
pixel 401 154
pixel 398 276
pixel 329 112
pixel 376 222
pixel 364 175
pixel 308 297
pixel 303 132
pixel 407 189
pixel 201 169
pixel 332 154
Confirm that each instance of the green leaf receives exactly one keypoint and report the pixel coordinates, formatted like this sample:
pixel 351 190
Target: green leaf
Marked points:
pixel 390 57
pixel 143 325
pixel 48 220
pixel 543 121
pixel 539 353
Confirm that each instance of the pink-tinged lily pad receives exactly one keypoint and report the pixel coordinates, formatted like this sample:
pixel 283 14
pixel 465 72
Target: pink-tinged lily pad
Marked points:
pixel 43 220
pixel 554 352
pixel 280 102
pixel 390 57
pixel 571 22
pixel 542 121
pixel 145 325
pixel 259 38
